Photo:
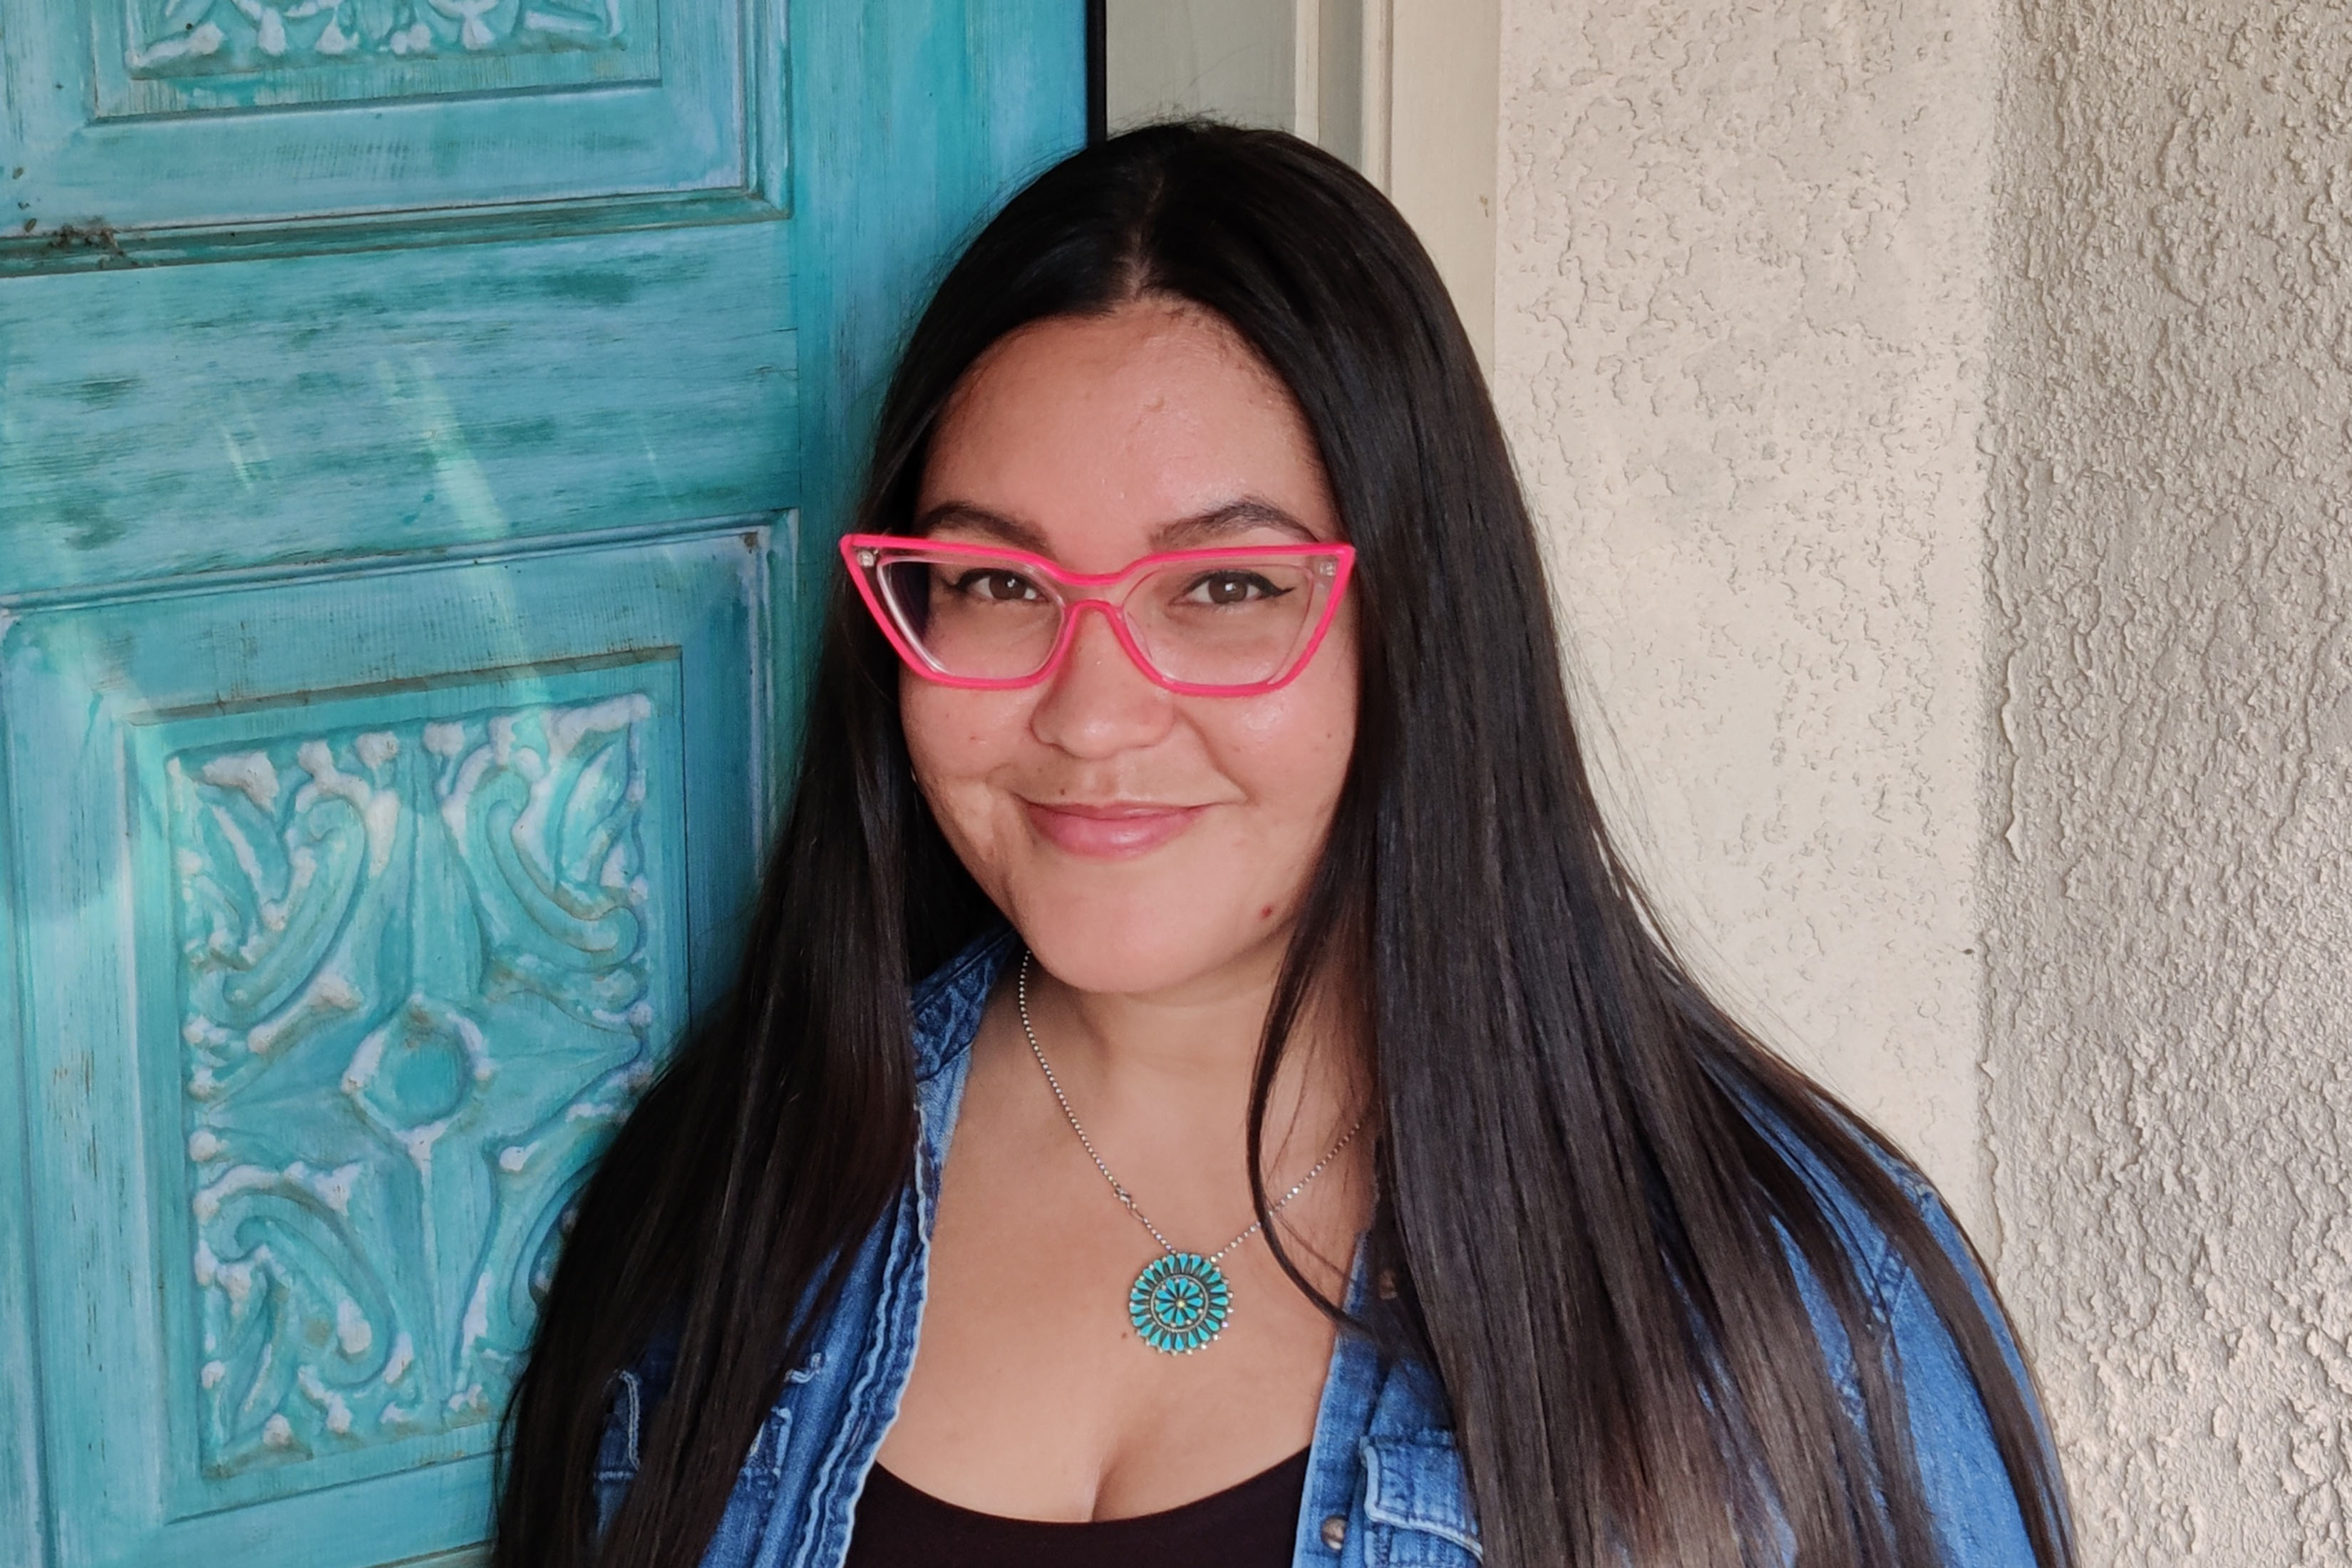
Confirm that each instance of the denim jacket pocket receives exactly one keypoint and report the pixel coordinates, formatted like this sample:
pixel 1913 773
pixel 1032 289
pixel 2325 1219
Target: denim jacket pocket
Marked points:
pixel 1417 1504
pixel 616 1448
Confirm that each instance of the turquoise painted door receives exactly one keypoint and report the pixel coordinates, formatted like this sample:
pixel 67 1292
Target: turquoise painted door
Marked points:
pixel 421 425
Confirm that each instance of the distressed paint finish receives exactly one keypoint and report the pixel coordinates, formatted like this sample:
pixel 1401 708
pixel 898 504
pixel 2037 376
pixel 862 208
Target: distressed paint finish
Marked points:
pixel 416 978
pixel 334 987
pixel 495 102
pixel 240 53
pixel 1739 356
pixel 2172 798
pixel 413 466
pixel 984 87
pixel 449 396
pixel 222 37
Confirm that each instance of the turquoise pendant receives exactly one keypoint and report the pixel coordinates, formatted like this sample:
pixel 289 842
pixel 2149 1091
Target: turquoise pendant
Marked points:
pixel 1180 1303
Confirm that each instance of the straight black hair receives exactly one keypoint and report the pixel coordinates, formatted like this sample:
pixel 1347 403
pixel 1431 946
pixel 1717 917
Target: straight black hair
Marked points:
pixel 1593 1180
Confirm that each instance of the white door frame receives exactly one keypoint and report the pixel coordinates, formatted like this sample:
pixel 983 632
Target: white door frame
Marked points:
pixel 1407 91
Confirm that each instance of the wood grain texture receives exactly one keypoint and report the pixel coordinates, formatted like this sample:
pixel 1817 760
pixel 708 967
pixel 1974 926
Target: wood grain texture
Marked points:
pixel 21 1508
pixel 163 421
pixel 962 100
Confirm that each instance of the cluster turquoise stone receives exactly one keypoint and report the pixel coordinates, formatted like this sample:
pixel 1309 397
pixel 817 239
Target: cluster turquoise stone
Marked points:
pixel 1180 1303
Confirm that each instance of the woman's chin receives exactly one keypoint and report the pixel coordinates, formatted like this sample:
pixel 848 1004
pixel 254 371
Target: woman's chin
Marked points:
pixel 1140 953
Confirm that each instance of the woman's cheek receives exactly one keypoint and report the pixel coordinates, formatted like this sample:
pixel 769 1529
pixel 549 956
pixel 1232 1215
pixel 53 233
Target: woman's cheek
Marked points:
pixel 1290 749
pixel 955 733
pixel 955 746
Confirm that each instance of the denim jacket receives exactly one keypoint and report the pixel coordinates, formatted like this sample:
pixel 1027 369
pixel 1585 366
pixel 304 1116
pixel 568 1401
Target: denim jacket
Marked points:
pixel 1384 1487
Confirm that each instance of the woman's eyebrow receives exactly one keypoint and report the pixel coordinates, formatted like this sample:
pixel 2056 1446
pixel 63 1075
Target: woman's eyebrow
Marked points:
pixel 1234 517
pixel 1185 533
pixel 965 516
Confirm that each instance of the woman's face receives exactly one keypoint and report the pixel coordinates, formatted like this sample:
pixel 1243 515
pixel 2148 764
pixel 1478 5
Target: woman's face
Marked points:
pixel 1139 840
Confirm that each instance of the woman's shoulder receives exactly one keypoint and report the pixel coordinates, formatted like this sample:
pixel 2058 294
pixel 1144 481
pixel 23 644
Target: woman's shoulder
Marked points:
pixel 1880 1262
pixel 1966 1484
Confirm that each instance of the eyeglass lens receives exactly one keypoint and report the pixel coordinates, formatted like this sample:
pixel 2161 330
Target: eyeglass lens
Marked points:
pixel 1233 621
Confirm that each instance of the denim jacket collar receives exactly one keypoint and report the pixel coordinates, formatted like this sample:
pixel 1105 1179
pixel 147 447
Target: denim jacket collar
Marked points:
pixel 1383 1464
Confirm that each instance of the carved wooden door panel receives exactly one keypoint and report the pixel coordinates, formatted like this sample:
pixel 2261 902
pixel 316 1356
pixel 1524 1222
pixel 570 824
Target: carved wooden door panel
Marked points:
pixel 422 423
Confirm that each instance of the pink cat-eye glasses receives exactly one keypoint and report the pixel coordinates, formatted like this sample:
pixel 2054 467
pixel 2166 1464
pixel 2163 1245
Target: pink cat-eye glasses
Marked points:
pixel 1201 622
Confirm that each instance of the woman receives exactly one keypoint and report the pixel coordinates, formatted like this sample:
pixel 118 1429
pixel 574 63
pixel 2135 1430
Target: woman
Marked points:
pixel 1189 714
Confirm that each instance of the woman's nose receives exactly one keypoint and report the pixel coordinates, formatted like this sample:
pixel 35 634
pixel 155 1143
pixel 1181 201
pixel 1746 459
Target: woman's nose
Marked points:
pixel 1099 704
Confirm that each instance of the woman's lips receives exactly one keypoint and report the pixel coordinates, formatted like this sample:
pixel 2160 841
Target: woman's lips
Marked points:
pixel 1112 830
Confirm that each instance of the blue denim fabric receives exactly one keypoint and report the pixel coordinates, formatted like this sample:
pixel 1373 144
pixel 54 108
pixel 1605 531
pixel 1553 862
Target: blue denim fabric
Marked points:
pixel 1383 1479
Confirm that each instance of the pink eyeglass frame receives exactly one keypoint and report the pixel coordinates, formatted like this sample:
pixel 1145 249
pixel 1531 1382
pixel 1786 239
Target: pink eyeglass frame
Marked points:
pixel 1113 609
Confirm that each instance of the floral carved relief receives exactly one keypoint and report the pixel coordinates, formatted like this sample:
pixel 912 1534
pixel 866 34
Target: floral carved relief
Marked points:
pixel 416 993
pixel 178 37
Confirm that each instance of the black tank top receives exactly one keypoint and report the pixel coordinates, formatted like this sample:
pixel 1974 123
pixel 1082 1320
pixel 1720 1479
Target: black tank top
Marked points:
pixel 1251 1525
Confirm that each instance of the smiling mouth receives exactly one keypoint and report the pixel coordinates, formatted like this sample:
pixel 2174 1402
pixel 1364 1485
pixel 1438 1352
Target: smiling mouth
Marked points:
pixel 1110 830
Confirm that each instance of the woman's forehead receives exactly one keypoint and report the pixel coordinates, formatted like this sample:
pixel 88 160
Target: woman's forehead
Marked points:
pixel 1093 439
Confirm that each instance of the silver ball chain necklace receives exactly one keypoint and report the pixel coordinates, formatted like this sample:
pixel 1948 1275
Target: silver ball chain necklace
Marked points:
pixel 1181 1302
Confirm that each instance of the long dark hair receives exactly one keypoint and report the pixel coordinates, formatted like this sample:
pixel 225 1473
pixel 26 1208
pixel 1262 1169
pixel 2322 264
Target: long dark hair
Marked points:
pixel 1592 1179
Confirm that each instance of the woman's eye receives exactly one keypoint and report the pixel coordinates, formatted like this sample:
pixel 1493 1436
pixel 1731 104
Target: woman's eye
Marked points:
pixel 1232 588
pixel 996 585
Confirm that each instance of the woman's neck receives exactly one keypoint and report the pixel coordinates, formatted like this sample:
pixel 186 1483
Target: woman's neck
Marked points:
pixel 1175 1067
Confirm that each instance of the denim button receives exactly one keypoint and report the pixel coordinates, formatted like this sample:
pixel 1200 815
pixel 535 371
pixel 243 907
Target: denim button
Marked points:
pixel 1335 1531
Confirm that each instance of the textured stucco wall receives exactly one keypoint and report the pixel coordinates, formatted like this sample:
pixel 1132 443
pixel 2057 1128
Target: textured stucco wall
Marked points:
pixel 1943 416
pixel 1740 317
pixel 2171 799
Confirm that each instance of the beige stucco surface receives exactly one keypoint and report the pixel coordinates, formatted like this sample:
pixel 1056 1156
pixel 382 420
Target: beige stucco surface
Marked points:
pixel 1942 416
pixel 1740 345
pixel 2171 801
